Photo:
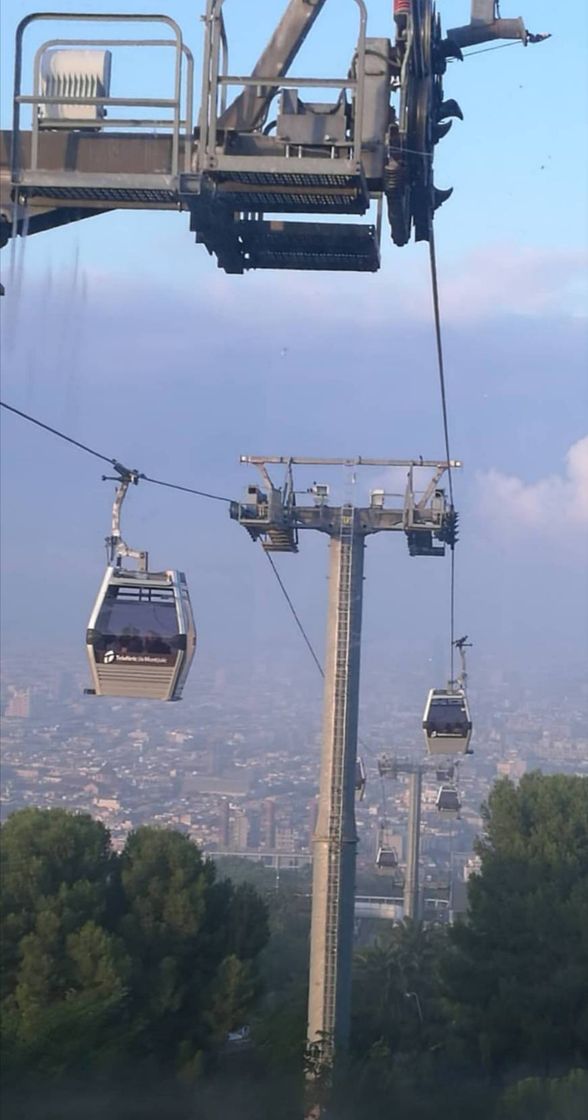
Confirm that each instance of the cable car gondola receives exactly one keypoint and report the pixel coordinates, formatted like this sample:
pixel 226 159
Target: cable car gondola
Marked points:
pixel 448 801
pixel 141 637
pixel 386 859
pixel 445 773
pixel 447 722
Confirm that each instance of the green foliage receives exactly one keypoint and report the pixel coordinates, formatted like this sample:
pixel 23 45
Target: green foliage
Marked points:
pixel 397 994
pixel 145 961
pixel 54 877
pixel 113 959
pixel 249 922
pixel 517 977
pixel 564 1098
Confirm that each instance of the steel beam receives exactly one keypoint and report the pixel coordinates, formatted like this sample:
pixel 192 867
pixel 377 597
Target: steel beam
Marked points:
pixel 411 884
pixel 335 839
pixel 248 110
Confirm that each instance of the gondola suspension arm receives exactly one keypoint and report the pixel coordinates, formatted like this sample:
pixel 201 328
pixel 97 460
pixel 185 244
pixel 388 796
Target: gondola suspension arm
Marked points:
pixel 116 547
pixel 461 644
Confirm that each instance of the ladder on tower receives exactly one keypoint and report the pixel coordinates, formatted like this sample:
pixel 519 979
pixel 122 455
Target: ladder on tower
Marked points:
pixel 342 652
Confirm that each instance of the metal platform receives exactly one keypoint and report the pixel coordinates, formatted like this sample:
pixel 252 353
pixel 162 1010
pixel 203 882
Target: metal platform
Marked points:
pixel 320 246
pixel 261 145
pixel 316 186
pixel 280 540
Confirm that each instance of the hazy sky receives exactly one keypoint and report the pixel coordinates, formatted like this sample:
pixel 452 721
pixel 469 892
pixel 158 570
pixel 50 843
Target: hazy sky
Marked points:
pixel 124 333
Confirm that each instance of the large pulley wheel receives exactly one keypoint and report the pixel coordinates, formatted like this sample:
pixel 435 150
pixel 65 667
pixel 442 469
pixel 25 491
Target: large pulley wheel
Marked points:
pixel 411 194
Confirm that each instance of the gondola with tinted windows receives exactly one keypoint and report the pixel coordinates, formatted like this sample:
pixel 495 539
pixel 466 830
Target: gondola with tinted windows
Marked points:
pixel 141 637
pixel 447 722
pixel 387 856
pixel 448 801
pixel 386 859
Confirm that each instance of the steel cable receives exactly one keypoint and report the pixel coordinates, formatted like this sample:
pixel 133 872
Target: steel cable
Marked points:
pixel 107 459
pixel 441 368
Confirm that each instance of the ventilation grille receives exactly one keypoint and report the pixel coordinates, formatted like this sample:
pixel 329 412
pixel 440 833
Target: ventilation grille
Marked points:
pixel 140 681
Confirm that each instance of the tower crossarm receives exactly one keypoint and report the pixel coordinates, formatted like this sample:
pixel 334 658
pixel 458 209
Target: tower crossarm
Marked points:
pixel 420 513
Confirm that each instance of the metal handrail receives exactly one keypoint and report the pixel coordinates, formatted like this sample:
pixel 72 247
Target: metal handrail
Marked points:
pixel 211 82
pixel 176 123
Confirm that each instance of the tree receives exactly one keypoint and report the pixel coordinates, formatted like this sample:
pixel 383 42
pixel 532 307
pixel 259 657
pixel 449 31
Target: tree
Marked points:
pixel 518 974
pixel 63 975
pixel 560 1098
pixel 109 960
pixel 52 862
pixel 397 992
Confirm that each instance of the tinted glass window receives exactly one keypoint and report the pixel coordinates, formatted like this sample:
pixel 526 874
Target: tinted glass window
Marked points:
pixel 447 717
pixel 137 620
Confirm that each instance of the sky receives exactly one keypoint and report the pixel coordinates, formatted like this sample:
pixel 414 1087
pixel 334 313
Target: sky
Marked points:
pixel 122 332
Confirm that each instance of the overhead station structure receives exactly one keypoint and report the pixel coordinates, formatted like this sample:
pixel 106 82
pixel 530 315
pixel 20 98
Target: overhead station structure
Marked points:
pixel 273 516
pixel 273 170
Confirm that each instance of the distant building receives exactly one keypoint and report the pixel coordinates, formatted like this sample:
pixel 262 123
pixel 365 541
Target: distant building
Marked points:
pixel 285 839
pixel 254 830
pixel 513 768
pixel 268 824
pixel 240 831
pixel 235 785
pixel 224 823
pixel 111 804
pixel 19 704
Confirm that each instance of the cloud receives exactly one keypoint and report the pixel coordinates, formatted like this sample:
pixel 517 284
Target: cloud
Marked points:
pixel 519 280
pixel 489 283
pixel 554 505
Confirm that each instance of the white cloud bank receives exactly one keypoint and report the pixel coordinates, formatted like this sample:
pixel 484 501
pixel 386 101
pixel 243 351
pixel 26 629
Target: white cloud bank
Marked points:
pixel 552 505
pixel 485 284
pixel 516 280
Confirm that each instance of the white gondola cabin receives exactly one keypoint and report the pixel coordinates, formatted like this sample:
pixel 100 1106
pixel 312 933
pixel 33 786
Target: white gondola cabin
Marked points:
pixel 141 637
pixel 447 723
pixel 448 801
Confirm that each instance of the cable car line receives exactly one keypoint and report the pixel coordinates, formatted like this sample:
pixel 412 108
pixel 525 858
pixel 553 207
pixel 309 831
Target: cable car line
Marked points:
pixel 135 476
pixel 440 358
pixel 185 489
pixel 441 367
pixel 452 615
pixel 61 435
pixel 296 617
pixel 311 648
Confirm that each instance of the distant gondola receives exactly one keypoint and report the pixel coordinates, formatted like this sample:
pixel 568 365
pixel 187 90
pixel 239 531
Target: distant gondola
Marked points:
pixel 387 858
pixel 448 801
pixel 447 722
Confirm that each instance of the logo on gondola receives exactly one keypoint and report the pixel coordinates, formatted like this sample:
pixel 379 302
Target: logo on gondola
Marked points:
pixel 109 657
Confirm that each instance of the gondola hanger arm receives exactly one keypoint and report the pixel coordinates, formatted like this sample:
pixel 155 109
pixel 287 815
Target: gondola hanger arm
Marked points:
pixel 116 547
pixel 461 644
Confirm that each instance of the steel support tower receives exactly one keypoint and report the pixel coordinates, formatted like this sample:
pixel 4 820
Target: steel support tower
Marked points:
pixel 273 516
pixel 335 838
pixel 412 906
pixel 392 768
